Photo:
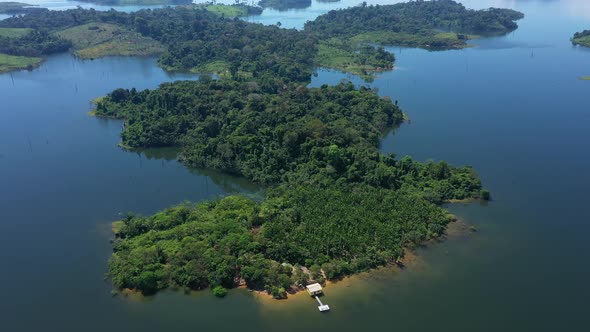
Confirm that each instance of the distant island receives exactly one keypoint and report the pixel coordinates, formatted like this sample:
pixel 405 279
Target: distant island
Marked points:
pixel 178 36
pixel 581 38
pixel 345 34
pixel 137 2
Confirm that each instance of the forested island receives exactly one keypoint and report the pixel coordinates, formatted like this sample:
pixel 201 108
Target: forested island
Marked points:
pixel 15 8
pixel 207 38
pixel 581 38
pixel 334 206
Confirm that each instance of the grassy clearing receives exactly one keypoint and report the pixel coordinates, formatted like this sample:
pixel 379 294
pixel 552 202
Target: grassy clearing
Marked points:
pixel 226 11
pixel 130 2
pixel 337 58
pixel 95 40
pixel 583 41
pixel 14 32
pixel 116 227
pixel 11 62
pixel 436 40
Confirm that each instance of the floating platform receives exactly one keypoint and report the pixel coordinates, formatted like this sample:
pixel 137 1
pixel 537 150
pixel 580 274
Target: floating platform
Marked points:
pixel 322 307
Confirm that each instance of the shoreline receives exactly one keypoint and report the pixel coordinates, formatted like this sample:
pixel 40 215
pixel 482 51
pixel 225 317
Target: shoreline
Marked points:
pixel 455 229
pixel 411 259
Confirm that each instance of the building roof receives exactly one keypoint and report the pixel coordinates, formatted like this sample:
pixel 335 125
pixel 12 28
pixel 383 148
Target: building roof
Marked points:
pixel 314 287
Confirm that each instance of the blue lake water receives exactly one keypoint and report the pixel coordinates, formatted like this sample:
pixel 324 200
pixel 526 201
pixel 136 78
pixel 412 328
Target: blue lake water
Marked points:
pixel 512 107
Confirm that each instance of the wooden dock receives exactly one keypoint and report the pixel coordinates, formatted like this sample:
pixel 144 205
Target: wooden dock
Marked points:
pixel 322 307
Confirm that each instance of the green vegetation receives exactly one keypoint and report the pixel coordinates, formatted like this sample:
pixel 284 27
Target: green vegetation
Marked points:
pixel 219 291
pixel 35 43
pixel 205 37
pixel 236 10
pixel 334 204
pixel 11 62
pixel 422 18
pixel 94 40
pixel 434 41
pixel 14 32
pixel 137 2
pixel 14 7
pixel 284 4
pixel 363 61
pixel 234 240
pixel 485 194
pixel 193 37
pixel 434 25
pixel 582 38
pixel 415 24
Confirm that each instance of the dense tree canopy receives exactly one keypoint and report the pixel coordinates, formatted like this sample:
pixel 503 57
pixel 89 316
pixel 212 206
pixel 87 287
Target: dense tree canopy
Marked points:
pixel 14 8
pixel 315 135
pixel 334 204
pixel 236 240
pixel 285 4
pixel 414 17
pixel 418 19
pixel 33 44
pixel 194 37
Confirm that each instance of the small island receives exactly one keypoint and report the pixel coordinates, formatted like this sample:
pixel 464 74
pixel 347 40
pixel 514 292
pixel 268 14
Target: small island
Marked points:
pixel 346 34
pixel 334 205
pixel 282 5
pixel 581 38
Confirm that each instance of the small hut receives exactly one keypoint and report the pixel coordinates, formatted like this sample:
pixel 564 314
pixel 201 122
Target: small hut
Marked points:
pixel 314 289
